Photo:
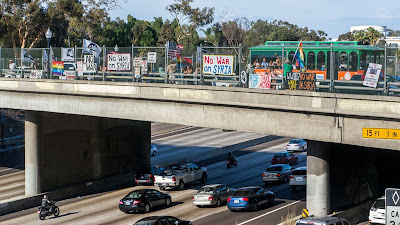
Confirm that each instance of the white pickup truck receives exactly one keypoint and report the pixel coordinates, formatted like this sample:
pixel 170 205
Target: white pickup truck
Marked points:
pixel 177 175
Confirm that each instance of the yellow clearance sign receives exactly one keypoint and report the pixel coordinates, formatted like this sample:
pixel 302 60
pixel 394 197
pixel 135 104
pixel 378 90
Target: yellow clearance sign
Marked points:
pixel 380 133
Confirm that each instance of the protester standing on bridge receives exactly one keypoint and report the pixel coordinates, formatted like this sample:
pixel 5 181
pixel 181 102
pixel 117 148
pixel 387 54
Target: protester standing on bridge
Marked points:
pixel 287 67
pixel 12 65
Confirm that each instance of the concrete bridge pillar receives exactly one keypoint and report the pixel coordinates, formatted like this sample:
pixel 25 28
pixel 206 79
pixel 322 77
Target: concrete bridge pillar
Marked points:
pixel 32 150
pixel 63 150
pixel 318 177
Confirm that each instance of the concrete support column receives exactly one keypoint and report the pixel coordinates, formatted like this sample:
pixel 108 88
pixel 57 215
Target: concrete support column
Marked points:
pixel 318 191
pixel 32 153
pixel 97 136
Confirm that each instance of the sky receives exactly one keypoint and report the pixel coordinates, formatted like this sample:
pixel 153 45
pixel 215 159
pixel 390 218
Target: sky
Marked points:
pixel 335 17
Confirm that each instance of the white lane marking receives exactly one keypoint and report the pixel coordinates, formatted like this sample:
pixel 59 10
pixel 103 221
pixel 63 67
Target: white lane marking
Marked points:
pixel 12 168
pixel 272 211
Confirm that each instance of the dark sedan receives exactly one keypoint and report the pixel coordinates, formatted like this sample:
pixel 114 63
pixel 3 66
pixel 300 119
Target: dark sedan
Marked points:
pixel 162 220
pixel 145 175
pixel 250 198
pixel 143 200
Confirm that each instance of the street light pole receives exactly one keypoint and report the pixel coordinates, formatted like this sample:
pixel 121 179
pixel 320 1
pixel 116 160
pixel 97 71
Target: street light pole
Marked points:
pixel 48 35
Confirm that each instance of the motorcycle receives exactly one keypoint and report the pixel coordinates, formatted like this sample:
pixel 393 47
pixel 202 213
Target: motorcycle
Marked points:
pixel 231 162
pixel 44 211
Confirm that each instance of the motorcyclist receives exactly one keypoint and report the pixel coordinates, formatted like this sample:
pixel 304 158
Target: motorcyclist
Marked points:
pixel 230 158
pixel 46 203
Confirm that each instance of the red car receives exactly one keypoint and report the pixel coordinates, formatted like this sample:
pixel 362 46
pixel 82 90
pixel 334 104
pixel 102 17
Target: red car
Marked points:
pixel 284 158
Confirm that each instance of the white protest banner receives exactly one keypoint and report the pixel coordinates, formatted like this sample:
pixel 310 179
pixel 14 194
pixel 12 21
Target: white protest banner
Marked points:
pixel 260 81
pixel 79 68
pixel 218 64
pixel 69 75
pixel 36 74
pixel 67 54
pixel 119 61
pixel 152 57
pixel 372 75
pixel 137 62
pixel 89 66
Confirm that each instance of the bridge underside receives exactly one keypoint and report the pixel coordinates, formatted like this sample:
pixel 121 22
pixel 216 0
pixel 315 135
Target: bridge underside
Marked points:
pixel 340 176
pixel 66 149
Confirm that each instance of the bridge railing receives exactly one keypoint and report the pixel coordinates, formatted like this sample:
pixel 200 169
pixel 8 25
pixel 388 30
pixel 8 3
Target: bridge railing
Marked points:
pixel 33 64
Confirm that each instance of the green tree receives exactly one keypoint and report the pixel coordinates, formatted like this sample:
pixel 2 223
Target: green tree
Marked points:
pixel 346 37
pixel 166 33
pixel 189 19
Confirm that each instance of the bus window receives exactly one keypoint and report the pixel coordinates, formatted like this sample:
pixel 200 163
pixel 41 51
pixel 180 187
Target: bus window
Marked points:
pixel 353 62
pixel 343 61
pixel 363 61
pixel 311 61
pixel 321 61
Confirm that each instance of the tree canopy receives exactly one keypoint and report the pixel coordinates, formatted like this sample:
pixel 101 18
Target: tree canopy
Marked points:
pixel 24 22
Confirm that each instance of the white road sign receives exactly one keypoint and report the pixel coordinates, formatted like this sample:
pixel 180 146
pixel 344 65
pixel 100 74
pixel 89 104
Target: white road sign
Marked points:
pixel 392 200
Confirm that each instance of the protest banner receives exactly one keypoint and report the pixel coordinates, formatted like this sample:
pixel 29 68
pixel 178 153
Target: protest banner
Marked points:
pixel 218 64
pixel 119 61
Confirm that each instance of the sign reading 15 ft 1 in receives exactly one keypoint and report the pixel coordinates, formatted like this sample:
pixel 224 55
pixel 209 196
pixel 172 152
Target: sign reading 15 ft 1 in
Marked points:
pixel 380 133
pixel 218 64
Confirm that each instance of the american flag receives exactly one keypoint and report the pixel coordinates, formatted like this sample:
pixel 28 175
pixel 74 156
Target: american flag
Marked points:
pixel 174 49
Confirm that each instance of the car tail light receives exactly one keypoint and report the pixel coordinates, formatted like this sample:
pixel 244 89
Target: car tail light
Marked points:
pixel 305 176
pixel 173 179
pixel 245 199
pixel 193 198
pixel 151 175
pixel 154 179
pixel 136 202
pixel 229 199
pixel 278 174
pixel 263 175
pixel 120 202
pixel 210 198
pixel 298 145
pixel 291 177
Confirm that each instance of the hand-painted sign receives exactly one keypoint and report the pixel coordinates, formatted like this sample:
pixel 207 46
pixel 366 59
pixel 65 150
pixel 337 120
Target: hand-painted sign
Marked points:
pixel 260 80
pixel 218 64
pixel 301 81
pixel 89 66
pixel 119 61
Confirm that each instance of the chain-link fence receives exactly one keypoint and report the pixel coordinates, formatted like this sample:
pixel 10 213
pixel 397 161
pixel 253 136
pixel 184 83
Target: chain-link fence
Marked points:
pixel 334 67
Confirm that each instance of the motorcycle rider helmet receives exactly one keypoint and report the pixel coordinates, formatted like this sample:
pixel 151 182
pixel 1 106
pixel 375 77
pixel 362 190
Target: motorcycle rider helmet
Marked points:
pixel 45 197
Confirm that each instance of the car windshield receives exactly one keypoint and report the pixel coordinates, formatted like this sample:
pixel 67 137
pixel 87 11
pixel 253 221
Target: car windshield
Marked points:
pixel 275 168
pixel 135 194
pixel 379 204
pixel 280 155
pixel 299 172
pixel 242 193
pixel 146 222
pixel 294 142
pixel 206 190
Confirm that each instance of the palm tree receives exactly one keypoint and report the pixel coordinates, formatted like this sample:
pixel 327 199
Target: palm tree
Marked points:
pixel 373 35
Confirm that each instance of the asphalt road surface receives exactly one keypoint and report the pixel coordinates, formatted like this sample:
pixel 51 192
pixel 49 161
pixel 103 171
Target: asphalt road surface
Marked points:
pixel 103 208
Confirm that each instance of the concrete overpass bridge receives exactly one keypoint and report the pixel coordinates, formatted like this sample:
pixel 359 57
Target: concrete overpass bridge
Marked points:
pixel 79 130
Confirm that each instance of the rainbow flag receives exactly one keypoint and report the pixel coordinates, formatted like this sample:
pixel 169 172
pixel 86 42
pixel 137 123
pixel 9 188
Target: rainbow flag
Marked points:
pixel 58 68
pixel 300 55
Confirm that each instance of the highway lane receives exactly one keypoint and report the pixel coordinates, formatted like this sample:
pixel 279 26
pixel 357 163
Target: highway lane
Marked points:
pixel 175 143
pixel 103 209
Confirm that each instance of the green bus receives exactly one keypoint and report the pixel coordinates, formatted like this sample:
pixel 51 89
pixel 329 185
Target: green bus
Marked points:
pixel 349 57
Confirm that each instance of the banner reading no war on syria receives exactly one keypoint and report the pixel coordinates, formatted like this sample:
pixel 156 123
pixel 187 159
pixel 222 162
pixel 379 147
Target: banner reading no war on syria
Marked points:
pixel 218 64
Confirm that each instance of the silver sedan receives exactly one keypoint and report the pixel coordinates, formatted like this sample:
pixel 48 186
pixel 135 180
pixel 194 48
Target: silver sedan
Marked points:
pixel 214 194
pixel 296 145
